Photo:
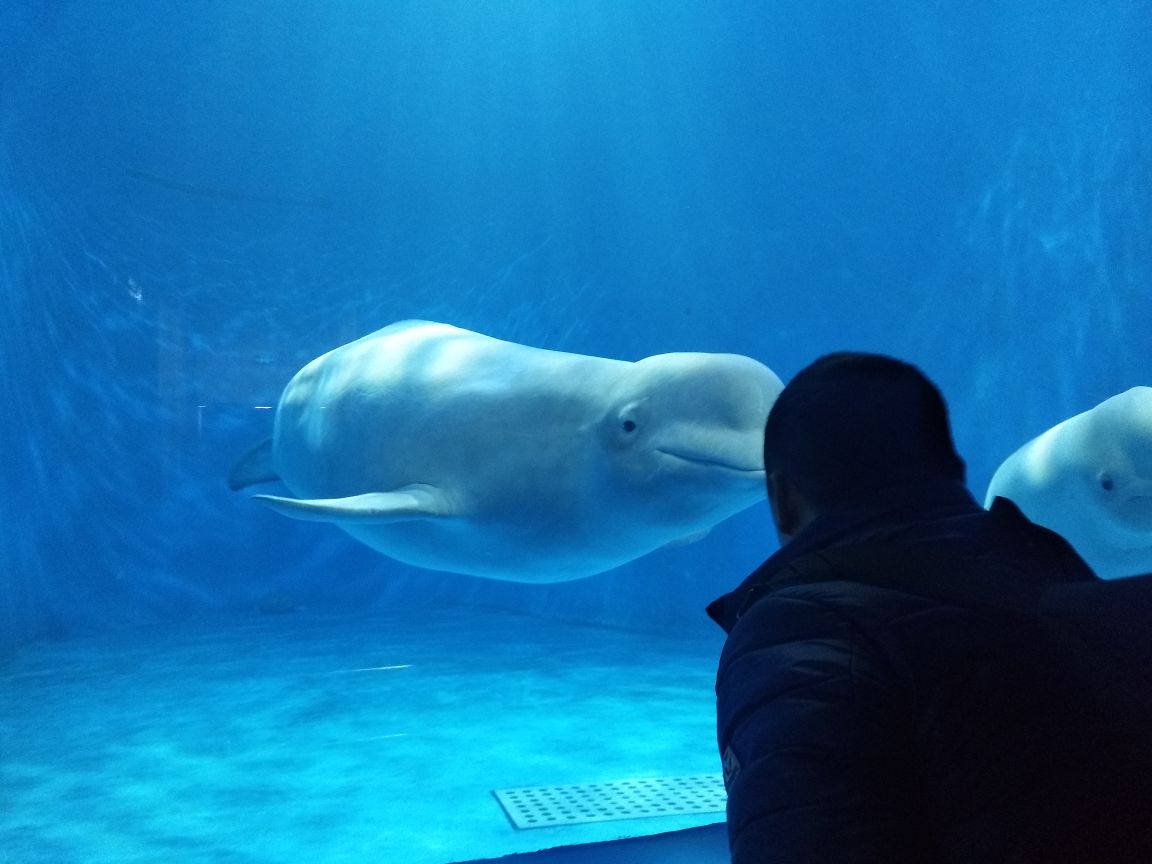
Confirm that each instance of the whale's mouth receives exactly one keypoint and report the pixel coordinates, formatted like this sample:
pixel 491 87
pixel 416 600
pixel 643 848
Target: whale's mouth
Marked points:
pixel 711 463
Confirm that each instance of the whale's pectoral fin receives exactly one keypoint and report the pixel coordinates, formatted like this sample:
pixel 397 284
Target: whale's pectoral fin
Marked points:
pixel 254 467
pixel 410 502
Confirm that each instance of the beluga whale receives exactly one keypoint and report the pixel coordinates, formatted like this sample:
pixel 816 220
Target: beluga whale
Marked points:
pixel 1089 478
pixel 451 450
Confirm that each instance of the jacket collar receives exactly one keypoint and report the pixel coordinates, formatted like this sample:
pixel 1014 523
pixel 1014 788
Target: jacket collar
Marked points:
pixel 888 515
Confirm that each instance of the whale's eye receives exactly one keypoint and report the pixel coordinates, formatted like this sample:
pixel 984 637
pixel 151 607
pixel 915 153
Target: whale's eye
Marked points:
pixel 629 425
pixel 1106 482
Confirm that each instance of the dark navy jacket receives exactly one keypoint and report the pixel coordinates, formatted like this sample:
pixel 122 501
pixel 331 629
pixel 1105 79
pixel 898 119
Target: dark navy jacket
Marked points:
pixel 912 682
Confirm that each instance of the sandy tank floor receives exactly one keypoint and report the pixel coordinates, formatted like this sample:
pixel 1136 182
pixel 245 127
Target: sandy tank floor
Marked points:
pixel 329 739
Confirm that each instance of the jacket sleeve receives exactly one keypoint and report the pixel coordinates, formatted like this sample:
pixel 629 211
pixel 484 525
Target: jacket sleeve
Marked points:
pixel 814 727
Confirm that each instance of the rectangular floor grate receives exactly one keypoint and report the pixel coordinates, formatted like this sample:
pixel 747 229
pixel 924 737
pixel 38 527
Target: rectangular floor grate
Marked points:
pixel 548 806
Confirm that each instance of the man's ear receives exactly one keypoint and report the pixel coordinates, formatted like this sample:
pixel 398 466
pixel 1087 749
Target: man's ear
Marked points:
pixel 790 512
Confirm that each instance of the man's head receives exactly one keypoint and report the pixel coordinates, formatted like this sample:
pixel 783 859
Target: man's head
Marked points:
pixel 848 426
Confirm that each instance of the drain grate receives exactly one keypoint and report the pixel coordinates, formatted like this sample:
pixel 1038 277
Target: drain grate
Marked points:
pixel 547 806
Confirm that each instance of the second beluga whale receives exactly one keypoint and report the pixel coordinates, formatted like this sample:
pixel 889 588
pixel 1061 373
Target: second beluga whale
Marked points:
pixel 1089 478
pixel 451 450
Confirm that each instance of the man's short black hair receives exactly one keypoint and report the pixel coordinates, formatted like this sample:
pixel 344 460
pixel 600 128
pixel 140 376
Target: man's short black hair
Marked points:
pixel 853 423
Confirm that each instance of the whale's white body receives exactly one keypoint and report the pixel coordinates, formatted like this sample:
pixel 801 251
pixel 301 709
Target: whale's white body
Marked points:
pixel 1089 478
pixel 451 450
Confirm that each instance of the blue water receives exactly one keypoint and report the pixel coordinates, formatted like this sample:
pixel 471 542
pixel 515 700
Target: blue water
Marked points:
pixel 194 205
